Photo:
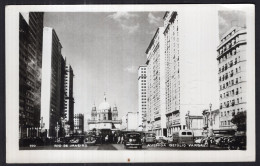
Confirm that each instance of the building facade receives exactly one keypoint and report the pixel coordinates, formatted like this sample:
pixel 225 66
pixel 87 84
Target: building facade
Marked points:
pixel 104 118
pixel 132 121
pixel 51 82
pixel 211 118
pixel 79 123
pixel 186 67
pixel 195 123
pixel 142 100
pixel 156 83
pixel 69 98
pixel 232 75
pixel 30 64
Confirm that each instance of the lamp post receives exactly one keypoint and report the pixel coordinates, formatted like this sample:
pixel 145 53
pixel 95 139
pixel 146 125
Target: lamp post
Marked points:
pixel 210 121
pixel 57 128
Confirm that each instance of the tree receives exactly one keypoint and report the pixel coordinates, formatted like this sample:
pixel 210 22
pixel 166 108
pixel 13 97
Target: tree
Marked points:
pixel 240 121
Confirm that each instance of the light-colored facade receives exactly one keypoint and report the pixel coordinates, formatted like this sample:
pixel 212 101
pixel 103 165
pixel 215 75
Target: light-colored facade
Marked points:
pixel 69 98
pixel 142 100
pixel 186 68
pixel 156 83
pixel 232 75
pixel 79 123
pixel 132 121
pixel 104 118
pixel 51 81
pixel 207 117
pixel 195 123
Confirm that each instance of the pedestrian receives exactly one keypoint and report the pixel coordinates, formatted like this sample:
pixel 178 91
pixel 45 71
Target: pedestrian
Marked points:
pixel 122 139
pixel 118 139
pixel 106 139
pixel 208 140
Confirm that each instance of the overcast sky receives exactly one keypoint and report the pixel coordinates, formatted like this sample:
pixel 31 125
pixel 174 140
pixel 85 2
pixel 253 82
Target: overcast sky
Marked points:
pixel 105 50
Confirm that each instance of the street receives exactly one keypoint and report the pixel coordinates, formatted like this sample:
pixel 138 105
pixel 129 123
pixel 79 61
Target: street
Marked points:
pixel 118 147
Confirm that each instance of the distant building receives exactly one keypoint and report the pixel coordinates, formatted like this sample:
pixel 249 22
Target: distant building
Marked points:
pixel 79 123
pixel 51 81
pixel 132 121
pixel 142 100
pixel 195 123
pixel 30 64
pixel 104 119
pixel 232 75
pixel 69 98
pixel 215 116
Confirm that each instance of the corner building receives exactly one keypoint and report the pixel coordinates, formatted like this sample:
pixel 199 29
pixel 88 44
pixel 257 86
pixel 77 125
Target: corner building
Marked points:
pixel 232 75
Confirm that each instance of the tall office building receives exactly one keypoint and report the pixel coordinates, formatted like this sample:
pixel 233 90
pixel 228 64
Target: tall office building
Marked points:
pixel 185 72
pixel 69 99
pixel 190 68
pixel 51 81
pixel 232 75
pixel 30 63
pixel 156 83
pixel 142 100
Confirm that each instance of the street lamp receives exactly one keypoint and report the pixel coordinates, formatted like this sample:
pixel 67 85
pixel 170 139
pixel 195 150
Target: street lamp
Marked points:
pixel 57 128
pixel 210 121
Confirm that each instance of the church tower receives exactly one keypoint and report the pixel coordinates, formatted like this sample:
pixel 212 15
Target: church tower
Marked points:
pixel 115 113
pixel 94 113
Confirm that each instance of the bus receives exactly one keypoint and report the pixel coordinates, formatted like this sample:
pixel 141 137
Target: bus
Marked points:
pixel 183 137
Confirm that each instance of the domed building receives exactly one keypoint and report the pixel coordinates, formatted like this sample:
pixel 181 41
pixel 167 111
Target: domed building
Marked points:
pixel 105 118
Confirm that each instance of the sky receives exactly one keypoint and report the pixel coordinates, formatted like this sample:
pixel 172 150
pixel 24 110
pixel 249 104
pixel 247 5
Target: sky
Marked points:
pixel 228 18
pixel 105 50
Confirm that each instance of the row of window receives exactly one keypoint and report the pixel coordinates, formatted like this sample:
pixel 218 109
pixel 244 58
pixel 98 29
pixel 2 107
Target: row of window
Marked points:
pixel 231 93
pixel 230 83
pixel 228 65
pixel 229 74
pixel 225 123
pixel 231 103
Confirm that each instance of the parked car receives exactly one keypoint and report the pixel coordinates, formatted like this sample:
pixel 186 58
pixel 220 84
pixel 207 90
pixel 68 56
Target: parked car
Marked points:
pixel 161 139
pixel 149 138
pixel 133 139
pixel 200 141
pixel 74 141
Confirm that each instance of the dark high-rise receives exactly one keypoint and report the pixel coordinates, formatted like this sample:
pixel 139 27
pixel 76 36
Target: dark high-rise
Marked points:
pixel 30 64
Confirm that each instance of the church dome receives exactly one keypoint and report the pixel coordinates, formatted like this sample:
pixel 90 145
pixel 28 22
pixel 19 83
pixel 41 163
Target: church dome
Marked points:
pixel 104 106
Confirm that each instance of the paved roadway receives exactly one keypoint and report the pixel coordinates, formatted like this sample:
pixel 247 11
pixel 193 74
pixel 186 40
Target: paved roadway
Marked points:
pixel 120 147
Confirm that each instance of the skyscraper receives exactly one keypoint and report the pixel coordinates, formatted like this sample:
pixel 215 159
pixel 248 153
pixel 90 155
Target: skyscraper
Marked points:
pixel 232 75
pixel 69 99
pixel 180 69
pixel 142 100
pixel 30 63
pixel 156 83
pixel 51 81
pixel 190 68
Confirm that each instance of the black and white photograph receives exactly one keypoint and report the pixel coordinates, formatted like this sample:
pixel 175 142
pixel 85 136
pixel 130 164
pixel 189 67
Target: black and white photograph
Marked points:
pixel 130 82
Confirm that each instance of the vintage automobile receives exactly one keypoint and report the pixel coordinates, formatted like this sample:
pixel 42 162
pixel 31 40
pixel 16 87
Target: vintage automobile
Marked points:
pixel 133 139
pixel 149 138
pixel 161 139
